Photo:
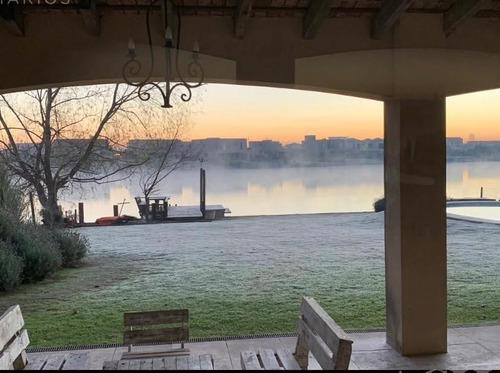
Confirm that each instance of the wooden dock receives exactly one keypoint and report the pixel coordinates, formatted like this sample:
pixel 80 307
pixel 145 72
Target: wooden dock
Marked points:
pixel 176 214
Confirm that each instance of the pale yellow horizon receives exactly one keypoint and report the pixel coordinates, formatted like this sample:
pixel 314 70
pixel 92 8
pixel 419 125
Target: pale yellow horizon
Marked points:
pixel 287 115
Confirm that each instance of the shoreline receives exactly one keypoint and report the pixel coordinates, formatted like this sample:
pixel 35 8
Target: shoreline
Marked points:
pixel 201 220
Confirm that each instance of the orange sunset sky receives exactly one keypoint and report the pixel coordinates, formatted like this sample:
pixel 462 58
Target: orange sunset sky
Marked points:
pixel 287 115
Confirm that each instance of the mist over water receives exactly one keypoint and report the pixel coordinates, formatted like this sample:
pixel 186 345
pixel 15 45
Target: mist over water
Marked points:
pixel 276 191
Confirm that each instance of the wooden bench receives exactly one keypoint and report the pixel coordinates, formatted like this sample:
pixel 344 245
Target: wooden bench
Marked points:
pixel 318 334
pixel 64 361
pixel 202 362
pixel 155 327
pixel 14 340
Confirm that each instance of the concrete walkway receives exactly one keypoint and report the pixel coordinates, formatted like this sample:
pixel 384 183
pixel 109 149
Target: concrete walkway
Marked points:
pixel 476 348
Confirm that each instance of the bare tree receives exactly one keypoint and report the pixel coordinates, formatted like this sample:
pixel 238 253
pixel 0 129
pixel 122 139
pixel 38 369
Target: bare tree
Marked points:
pixel 56 137
pixel 162 150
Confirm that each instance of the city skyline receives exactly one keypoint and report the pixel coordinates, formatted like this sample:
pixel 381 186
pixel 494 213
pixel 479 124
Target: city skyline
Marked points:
pixel 286 115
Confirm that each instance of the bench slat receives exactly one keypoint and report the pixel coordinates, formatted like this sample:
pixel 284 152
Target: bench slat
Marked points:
pixel 54 362
pixel 155 335
pixel 343 357
pixel 181 363
pixel 269 360
pixel 155 317
pixel 155 354
pixel 134 365
pixel 194 363
pixel 15 349
pixel 249 361
pixel 287 359
pixel 146 364
pixel 158 364
pixel 206 362
pixel 170 363
pixel 10 323
pixel 319 350
pixel 110 365
pixel 36 363
pixel 319 321
pixel 77 361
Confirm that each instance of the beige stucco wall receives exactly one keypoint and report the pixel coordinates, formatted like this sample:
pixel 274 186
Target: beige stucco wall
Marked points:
pixel 415 59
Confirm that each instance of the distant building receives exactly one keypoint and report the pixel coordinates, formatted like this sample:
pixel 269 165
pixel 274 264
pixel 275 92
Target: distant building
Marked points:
pixel 265 151
pixel 221 150
pixel 483 144
pixel 177 148
pixel 376 144
pixel 454 143
pixel 343 143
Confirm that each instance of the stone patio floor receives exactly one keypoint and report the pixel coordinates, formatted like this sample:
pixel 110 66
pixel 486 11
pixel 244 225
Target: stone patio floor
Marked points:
pixel 476 348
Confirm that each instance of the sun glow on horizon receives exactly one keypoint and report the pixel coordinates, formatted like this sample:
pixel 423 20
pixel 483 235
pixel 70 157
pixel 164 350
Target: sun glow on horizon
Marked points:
pixel 287 115
pixel 284 115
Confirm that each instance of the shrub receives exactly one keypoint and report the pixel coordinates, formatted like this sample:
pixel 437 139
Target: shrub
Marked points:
pixel 38 250
pixel 72 246
pixel 379 205
pixel 11 267
pixel 7 225
pixel 11 197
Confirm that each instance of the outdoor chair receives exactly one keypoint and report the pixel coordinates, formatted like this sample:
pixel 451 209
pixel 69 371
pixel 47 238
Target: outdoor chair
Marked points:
pixel 318 334
pixel 155 327
pixel 13 340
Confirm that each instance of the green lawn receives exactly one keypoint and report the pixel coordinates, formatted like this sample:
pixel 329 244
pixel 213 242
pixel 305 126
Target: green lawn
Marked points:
pixel 246 276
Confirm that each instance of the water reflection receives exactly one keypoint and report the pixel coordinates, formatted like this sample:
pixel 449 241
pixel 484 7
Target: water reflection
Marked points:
pixel 282 190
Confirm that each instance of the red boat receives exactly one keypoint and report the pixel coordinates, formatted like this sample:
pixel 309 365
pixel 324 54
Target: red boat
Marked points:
pixel 108 220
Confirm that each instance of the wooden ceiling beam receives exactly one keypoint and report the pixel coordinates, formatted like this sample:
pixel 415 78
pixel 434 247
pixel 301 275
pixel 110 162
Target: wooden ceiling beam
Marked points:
pixel 387 16
pixel 91 17
pixel 241 15
pixel 458 13
pixel 317 12
pixel 12 18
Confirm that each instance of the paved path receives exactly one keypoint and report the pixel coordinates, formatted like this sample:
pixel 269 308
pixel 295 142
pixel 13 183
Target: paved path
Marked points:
pixel 476 348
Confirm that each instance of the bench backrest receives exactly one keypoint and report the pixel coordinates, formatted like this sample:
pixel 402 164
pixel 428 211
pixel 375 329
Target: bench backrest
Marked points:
pixel 138 326
pixel 13 340
pixel 319 334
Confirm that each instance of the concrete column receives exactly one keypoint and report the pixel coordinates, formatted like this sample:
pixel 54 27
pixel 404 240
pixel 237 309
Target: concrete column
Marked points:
pixel 415 225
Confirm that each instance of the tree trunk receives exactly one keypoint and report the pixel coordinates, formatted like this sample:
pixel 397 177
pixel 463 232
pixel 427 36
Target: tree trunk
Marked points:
pixel 146 198
pixel 51 214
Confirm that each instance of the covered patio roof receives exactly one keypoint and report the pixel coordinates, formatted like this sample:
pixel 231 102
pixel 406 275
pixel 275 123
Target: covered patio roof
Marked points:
pixel 410 54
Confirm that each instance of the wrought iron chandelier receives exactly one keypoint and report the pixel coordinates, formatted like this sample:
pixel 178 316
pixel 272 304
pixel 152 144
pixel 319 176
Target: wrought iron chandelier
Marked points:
pixel 132 68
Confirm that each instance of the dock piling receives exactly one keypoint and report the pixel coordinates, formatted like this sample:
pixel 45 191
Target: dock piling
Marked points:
pixel 81 217
pixel 32 203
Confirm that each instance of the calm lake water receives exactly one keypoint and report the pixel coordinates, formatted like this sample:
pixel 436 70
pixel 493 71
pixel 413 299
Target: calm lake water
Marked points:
pixel 280 190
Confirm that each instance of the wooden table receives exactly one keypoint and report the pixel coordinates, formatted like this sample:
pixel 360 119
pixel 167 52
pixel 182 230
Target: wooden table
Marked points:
pixel 266 359
pixel 202 362
pixel 63 361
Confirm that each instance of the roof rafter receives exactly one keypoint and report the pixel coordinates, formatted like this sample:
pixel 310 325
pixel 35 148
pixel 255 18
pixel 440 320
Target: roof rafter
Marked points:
pixel 388 15
pixel 242 13
pixel 12 18
pixel 458 13
pixel 91 17
pixel 317 12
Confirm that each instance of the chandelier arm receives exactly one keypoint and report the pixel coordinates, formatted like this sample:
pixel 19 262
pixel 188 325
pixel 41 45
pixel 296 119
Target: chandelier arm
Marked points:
pixel 193 68
pixel 133 67
pixel 184 96
pixel 145 96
